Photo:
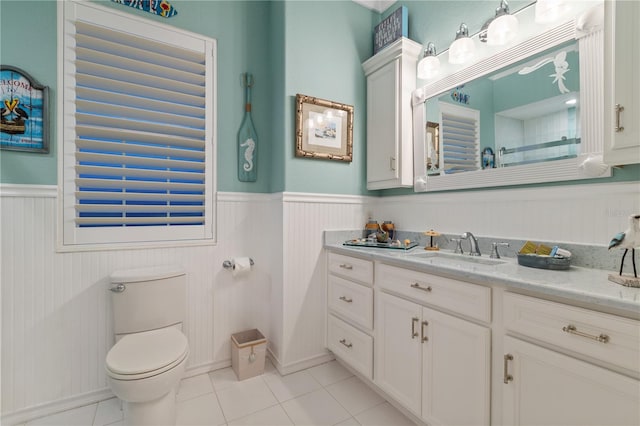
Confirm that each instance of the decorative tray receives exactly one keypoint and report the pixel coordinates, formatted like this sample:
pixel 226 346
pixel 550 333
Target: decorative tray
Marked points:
pixel 544 262
pixel 365 243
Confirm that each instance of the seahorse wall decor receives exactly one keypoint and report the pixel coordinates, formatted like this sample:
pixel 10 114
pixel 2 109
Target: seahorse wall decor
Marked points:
pixel 247 138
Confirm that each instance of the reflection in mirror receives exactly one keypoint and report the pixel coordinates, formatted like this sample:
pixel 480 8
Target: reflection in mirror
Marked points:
pixel 524 114
pixel 517 115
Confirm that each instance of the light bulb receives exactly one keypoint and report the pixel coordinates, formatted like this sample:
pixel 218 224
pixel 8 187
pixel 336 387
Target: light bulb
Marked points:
pixel 502 30
pixel 462 49
pixel 429 65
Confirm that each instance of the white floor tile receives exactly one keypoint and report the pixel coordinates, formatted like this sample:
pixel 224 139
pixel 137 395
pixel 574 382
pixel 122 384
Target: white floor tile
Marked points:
pixel 329 373
pixel 108 412
pixel 223 378
pixel 383 415
pixel 245 397
pixel 82 416
pixel 292 385
pixel 354 395
pixel 269 367
pixel 194 386
pixel 201 410
pixel 272 416
pixel 349 422
pixel 316 408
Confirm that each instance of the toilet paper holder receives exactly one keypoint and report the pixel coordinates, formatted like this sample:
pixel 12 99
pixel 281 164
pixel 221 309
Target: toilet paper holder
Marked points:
pixel 230 264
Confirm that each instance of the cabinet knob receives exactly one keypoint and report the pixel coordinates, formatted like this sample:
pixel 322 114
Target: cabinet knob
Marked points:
pixel 572 329
pixel 619 128
pixel 506 376
pixel 344 342
pixel 414 321
pixel 346 266
pixel 417 287
pixel 424 338
pixel 392 163
pixel 346 299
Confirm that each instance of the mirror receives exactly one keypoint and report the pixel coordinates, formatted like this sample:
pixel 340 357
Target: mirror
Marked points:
pixel 489 125
pixel 522 114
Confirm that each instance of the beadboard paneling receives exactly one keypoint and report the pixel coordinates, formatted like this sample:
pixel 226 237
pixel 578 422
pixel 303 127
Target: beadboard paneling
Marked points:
pixel 304 283
pixel 56 317
pixel 583 214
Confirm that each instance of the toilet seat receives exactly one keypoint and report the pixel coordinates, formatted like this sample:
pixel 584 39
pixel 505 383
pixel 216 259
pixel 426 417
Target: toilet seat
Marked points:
pixel 141 355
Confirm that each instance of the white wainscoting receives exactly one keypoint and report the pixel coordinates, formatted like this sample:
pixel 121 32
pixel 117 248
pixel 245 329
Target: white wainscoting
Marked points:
pixel 56 320
pixel 56 325
pixel 583 214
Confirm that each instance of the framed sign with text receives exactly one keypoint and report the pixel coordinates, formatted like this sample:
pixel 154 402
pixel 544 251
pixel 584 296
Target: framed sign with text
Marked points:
pixel 391 29
pixel 24 119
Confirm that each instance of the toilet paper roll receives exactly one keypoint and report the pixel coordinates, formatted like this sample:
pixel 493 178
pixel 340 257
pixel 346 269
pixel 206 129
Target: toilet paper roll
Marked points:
pixel 242 266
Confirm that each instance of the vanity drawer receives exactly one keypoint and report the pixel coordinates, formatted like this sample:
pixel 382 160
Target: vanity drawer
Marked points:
pixel 470 300
pixel 352 301
pixel 351 345
pixel 601 336
pixel 351 267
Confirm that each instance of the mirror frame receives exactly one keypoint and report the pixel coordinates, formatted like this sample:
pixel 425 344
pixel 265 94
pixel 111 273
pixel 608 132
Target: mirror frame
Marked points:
pixel 586 27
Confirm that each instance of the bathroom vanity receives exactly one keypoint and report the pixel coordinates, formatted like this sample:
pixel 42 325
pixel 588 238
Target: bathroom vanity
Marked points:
pixel 459 340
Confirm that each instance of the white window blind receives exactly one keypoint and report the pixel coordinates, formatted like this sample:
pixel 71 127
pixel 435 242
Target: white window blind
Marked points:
pixel 459 130
pixel 138 129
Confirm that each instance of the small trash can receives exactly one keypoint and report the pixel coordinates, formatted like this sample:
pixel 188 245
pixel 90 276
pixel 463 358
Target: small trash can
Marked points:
pixel 248 350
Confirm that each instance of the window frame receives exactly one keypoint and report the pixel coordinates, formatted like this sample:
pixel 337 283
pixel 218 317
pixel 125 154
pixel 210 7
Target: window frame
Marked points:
pixel 73 238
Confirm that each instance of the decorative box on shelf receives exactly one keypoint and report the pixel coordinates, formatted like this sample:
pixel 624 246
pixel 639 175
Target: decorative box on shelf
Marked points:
pixel 392 28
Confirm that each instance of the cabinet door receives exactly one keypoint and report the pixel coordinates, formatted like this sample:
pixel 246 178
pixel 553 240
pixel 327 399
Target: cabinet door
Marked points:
pixel 456 370
pixel 398 349
pixel 383 88
pixel 622 67
pixel 549 388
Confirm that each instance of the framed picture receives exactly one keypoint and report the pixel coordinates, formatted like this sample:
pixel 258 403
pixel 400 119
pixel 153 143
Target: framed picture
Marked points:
pixel 433 147
pixel 324 129
pixel 24 120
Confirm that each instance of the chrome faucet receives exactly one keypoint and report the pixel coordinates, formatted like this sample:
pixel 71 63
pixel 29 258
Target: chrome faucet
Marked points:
pixel 473 243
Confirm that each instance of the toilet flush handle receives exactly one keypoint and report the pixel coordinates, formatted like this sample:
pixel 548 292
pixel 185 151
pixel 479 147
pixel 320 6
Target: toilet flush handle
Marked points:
pixel 118 288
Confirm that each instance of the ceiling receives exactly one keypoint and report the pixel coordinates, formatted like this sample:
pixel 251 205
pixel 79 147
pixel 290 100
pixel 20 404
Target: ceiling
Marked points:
pixel 377 5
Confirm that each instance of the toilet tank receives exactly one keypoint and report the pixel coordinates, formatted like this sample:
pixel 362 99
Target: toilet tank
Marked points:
pixel 152 298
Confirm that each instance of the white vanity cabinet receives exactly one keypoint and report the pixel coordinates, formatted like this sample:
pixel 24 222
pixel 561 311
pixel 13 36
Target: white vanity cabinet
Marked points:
pixel 559 362
pixel 622 84
pixel 350 304
pixel 391 77
pixel 435 364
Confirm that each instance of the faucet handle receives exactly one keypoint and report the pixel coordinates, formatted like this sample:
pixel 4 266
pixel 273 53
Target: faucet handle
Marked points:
pixel 458 249
pixel 494 249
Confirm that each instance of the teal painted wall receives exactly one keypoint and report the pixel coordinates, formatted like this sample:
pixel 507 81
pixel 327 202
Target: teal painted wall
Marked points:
pixel 242 29
pixel 325 44
pixel 35 52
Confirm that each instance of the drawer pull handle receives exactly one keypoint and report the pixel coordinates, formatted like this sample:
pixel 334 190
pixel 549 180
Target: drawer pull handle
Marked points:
pixel 571 329
pixel 417 287
pixel 346 299
pixel 346 266
pixel 506 376
pixel 414 321
pixel 423 337
pixel 344 342
pixel 619 128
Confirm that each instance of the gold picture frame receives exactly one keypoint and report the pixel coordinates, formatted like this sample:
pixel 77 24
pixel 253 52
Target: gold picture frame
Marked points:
pixel 324 129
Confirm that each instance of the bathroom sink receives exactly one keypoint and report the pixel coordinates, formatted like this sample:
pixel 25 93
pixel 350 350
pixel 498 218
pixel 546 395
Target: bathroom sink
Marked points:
pixel 438 256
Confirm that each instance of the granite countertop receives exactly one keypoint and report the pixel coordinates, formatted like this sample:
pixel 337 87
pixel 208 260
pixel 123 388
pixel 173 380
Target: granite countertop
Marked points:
pixel 583 286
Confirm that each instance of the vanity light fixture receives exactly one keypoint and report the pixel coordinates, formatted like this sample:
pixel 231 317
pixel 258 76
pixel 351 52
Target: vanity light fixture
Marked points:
pixel 429 65
pixel 463 48
pixel 503 27
pixel 550 10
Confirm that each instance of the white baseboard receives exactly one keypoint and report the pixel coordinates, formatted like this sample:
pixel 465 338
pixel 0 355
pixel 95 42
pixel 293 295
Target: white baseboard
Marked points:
pixel 206 368
pixel 49 408
pixel 299 365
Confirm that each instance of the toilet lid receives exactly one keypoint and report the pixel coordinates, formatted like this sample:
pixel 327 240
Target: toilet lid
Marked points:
pixel 147 351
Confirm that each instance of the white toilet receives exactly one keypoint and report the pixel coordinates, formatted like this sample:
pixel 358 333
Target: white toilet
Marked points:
pixel 146 364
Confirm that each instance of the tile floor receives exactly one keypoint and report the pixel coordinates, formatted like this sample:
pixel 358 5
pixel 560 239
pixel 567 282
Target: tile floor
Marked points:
pixel 327 394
